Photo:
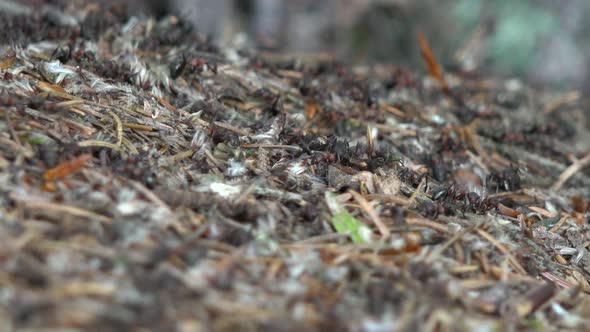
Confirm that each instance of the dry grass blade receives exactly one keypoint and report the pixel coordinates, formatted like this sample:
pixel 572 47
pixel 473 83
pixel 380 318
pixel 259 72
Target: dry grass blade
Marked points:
pixel 570 171
pixel 136 126
pixel 370 211
pixel 71 103
pixel 223 125
pixel 11 128
pixel 167 105
pixel 153 180
pixel 47 87
pixel 560 223
pixel 393 110
pixel 181 156
pixel 85 130
pixel 59 209
pixel 149 194
pixel 271 146
pixel 568 98
pixel 503 249
pixel 440 249
pixel 119 127
pixel 427 223
pixel 535 299
pixel 390 199
pixel 557 280
pixel 100 144
pixel 416 192
pixel 85 289
pixel 17 148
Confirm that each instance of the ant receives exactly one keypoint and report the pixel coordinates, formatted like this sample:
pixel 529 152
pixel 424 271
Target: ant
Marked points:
pixel 264 94
pixel 177 66
pixel 340 149
pixel 62 53
pixel 480 204
pixel 412 178
pixel 507 180
pixel 429 209
pixel 452 192
pixel 467 200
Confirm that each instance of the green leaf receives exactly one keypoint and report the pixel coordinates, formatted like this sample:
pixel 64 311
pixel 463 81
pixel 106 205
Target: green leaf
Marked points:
pixel 346 223
pixel 36 140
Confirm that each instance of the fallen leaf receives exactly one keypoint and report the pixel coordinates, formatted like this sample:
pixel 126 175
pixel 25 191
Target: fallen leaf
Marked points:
pixel 66 168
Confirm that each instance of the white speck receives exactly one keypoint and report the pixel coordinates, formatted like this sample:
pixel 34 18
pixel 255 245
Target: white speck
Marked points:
pixel 129 208
pixel 384 323
pixel 130 25
pixel 366 234
pixel 296 169
pixel 200 140
pixel 437 119
pixel 398 243
pixel 235 168
pixel 59 71
pixel 513 85
pixel 224 190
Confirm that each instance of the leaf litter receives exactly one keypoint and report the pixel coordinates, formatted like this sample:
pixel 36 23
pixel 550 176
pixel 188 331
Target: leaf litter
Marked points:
pixel 151 180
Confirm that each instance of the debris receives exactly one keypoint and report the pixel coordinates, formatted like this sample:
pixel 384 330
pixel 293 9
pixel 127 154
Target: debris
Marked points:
pixel 152 180
pixel 66 168
pixel 434 68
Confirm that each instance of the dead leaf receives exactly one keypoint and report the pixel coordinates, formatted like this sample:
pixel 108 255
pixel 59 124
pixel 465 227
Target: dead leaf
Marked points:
pixel 66 168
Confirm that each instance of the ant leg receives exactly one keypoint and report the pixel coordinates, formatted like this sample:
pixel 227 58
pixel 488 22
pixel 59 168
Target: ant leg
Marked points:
pixel 421 178
pixel 463 212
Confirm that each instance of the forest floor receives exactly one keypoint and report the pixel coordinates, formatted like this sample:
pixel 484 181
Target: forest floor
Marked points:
pixel 150 180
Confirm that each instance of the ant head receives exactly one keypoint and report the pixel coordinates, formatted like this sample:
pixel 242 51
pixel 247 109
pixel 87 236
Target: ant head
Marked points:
pixel 473 198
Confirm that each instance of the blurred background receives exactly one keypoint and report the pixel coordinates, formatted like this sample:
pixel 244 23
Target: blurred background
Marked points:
pixel 543 42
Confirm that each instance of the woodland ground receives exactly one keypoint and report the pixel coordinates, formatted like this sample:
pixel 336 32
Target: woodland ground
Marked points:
pixel 150 180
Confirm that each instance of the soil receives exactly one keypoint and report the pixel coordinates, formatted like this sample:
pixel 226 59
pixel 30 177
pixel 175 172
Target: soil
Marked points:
pixel 151 180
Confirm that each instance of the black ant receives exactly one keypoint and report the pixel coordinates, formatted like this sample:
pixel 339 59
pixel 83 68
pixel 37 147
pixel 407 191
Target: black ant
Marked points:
pixel 452 192
pixel 480 204
pixel 264 94
pixel 339 148
pixel 438 169
pixel 412 178
pixel 62 53
pixel 177 66
pixel 463 198
pixel 429 209
pixel 506 180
